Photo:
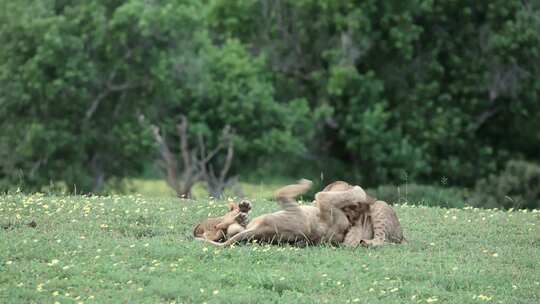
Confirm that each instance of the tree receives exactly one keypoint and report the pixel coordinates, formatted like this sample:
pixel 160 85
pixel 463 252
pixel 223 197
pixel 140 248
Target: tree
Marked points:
pixel 221 87
pixel 372 90
pixel 415 86
pixel 193 164
pixel 75 76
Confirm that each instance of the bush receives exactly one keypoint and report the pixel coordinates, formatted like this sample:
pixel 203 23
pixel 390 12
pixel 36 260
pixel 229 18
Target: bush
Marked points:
pixel 517 186
pixel 420 195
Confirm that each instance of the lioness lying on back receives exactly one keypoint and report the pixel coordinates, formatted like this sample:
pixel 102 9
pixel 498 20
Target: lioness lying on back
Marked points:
pixel 342 214
pixel 322 223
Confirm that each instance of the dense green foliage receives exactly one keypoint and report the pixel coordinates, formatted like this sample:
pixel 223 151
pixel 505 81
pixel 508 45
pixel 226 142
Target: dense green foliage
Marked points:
pixel 370 91
pixel 517 186
pixel 78 76
pixel 420 87
pixel 73 76
pixel 139 250
pixel 425 195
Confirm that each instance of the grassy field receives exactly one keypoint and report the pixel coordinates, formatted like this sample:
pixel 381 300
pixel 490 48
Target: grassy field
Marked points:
pixel 136 249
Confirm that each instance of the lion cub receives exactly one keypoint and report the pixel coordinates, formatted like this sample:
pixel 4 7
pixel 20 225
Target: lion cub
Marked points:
pixel 220 228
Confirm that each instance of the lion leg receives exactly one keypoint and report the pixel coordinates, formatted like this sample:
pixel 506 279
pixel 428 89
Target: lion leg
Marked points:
pixel 386 226
pixel 214 235
pixel 285 196
pixel 244 206
pixel 238 237
pixel 361 230
pixel 341 199
pixel 242 219
pixel 257 229
pixel 379 231
pixel 372 243
pixel 234 229
pixel 329 202
pixel 353 237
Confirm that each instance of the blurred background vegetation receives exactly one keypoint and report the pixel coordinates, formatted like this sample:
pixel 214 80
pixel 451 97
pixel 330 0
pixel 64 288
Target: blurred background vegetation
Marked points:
pixel 414 99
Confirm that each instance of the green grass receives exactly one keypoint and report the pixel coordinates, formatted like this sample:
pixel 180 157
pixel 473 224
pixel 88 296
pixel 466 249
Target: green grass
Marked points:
pixel 135 249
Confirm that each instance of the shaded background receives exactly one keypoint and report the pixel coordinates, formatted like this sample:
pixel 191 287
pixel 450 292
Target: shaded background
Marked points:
pixel 441 96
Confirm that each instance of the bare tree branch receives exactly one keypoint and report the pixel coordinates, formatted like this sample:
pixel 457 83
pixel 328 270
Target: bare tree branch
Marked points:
pixel 216 184
pixel 228 161
pixel 504 82
pixel 110 87
pixel 184 148
pixel 195 164
pixel 169 163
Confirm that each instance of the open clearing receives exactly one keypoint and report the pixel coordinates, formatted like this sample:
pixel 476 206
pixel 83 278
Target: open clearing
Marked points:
pixel 135 249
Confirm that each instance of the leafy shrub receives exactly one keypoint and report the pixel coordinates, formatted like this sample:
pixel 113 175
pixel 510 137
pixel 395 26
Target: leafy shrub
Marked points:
pixel 349 57
pixel 517 186
pixel 420 195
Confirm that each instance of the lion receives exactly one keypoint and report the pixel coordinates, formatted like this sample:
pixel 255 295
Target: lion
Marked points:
pixel 322 222
pixel 223 227
pixel 373 221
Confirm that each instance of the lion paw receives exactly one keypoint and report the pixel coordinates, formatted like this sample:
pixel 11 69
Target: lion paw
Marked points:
pixel 371 243
pixel 244 206
pixel 242 218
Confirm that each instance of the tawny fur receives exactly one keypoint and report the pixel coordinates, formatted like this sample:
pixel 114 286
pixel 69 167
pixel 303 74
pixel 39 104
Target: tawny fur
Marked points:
pixel 223 227
pixel 373 221
pixel 323 222
pixel 385 223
